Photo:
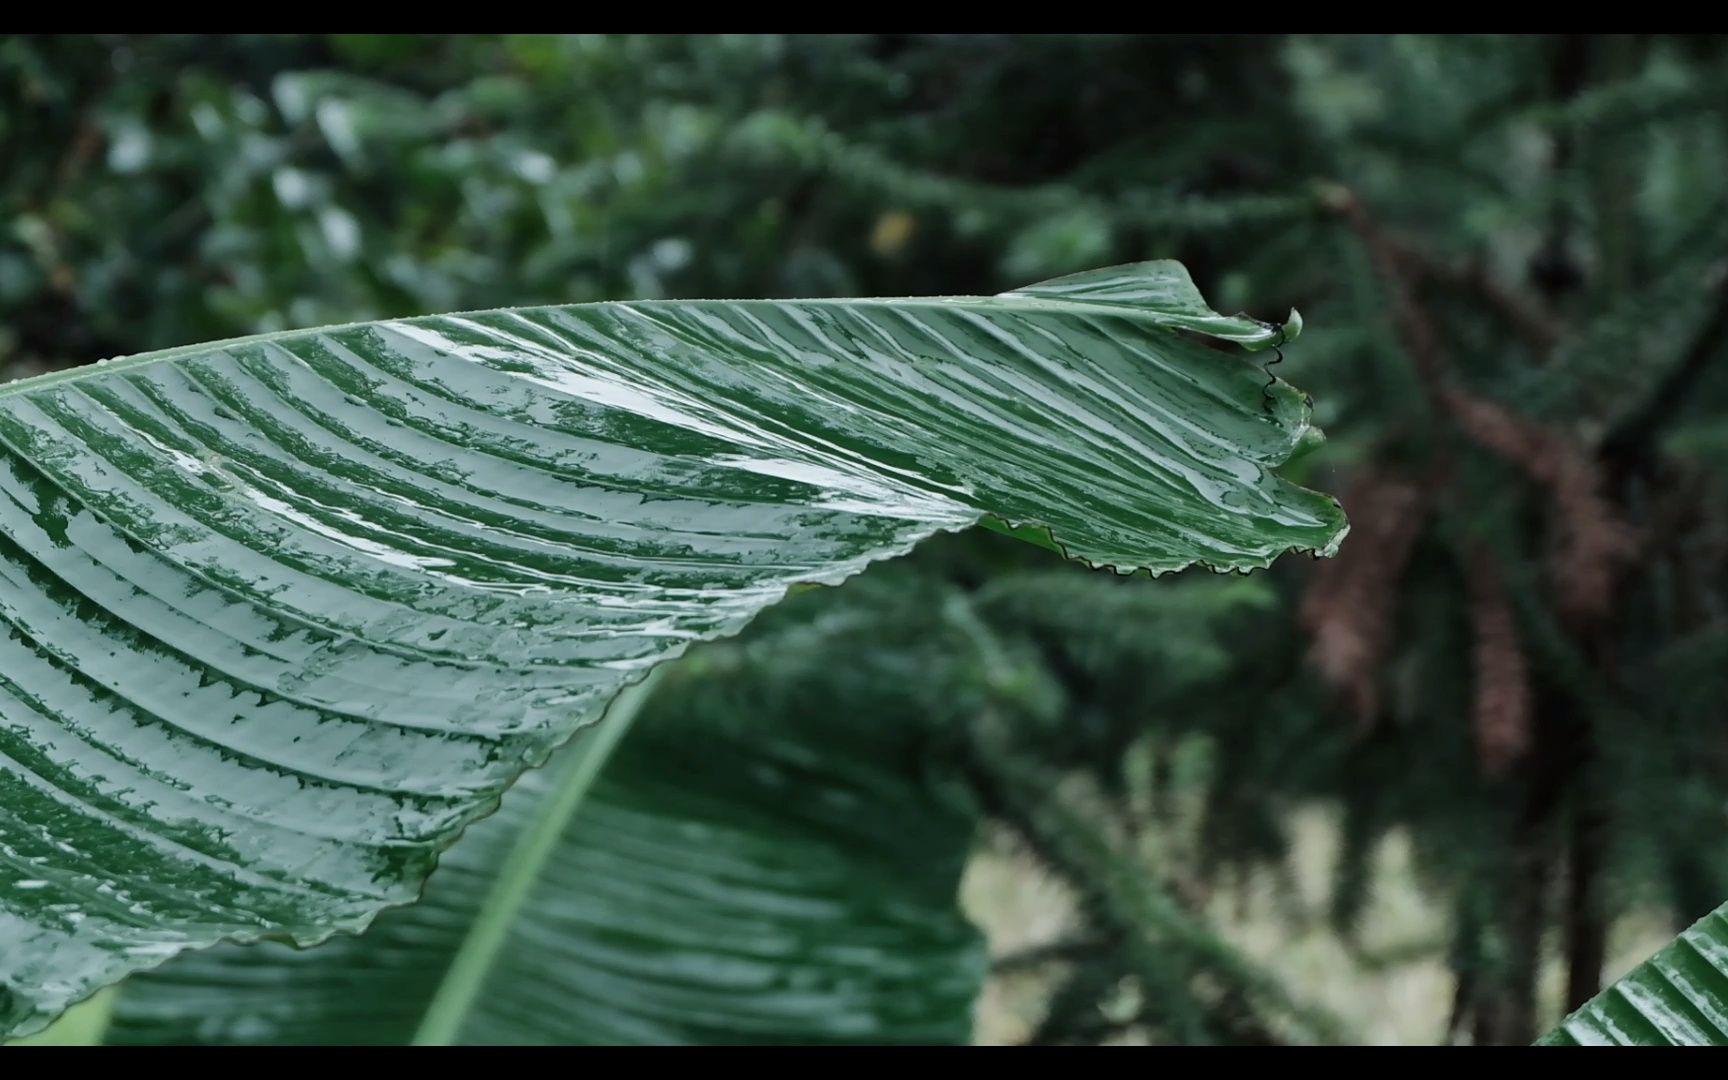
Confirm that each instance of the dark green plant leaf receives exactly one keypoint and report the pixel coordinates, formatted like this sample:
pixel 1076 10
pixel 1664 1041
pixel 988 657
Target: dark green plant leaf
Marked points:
pixel 1679 997
pixel 287 613
pixel 771 856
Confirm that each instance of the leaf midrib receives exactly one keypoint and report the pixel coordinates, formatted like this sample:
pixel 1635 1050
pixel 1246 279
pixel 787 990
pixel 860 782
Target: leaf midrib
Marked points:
pixel 463 980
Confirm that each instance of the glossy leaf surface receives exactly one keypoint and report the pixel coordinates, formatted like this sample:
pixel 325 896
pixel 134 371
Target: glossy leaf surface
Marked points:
pixel 771 856
pixel 1679 997
pixel 285 614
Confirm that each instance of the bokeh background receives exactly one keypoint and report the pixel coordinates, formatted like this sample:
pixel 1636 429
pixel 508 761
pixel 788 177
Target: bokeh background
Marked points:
pixel 1437 789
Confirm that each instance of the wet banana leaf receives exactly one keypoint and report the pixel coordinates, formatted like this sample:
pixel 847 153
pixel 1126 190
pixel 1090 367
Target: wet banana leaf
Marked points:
pixel 1679 997
pixel 286 614
pixel 771 856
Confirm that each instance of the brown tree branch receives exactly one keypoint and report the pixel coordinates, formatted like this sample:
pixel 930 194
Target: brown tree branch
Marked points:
pixel 1591 542
pixel 1389 259
pixel 1526 314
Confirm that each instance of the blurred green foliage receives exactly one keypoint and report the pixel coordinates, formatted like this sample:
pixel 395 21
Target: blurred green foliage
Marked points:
pixel 178 188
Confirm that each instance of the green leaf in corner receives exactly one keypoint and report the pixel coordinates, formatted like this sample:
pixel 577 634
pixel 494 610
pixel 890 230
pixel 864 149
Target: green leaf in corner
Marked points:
pixel 1679 997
